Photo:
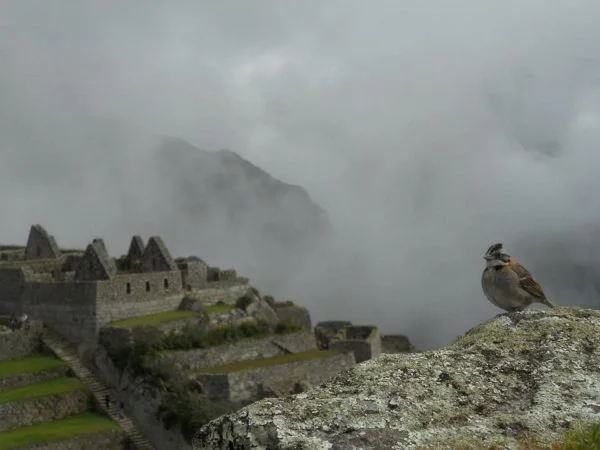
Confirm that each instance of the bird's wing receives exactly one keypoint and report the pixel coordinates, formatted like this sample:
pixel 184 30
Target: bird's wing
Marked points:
pixel 526 281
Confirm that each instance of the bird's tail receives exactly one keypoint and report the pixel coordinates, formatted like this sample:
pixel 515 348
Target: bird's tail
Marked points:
pixel 548 303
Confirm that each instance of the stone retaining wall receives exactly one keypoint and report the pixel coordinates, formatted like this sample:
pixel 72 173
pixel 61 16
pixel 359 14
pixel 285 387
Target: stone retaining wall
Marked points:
pixel 246 385
pixel 141 405
pixel 21 379
pixel 22 342
pixel 42 409
pixel 227 293
pixel 240 351
pixel 126 308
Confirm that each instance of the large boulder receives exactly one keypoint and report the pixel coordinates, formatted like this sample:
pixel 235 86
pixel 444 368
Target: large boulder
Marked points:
pixel 260 310
pixel 516 377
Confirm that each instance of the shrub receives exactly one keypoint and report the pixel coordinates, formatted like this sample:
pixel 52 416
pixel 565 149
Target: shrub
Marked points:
pixel 189 410
pixel 286 326
pixel 140 358
pixel 243 302
pixel 581 437
pixel 194 337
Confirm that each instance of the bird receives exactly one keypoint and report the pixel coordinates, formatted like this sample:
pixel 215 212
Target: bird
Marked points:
pixel 508 284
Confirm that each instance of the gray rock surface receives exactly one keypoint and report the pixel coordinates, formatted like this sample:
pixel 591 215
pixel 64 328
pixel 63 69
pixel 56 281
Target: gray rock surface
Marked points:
pixel 518 375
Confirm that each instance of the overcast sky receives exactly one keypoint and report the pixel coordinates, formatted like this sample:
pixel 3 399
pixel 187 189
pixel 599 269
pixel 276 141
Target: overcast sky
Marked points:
pixel 427 130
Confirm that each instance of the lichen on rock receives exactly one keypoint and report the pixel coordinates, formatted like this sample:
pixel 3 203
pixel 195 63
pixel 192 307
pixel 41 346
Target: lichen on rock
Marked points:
pixel 518 376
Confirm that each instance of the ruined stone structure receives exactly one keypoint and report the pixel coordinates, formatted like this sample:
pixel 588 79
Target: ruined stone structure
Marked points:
pixel 363 341
pixel 396 343
pixel 76 292
pixel 79 293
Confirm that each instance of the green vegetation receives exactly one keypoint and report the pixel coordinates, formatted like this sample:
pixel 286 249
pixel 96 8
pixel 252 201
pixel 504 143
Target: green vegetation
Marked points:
pixel 195 337
pixel 180 406
pixel 190 410
pixel 580 437
pixel 219 308
pixel 265 362
pixel 29 364
pixel 41 389
pixel 243 302
pixel 47 432
pixel 286 326
pixel 155 319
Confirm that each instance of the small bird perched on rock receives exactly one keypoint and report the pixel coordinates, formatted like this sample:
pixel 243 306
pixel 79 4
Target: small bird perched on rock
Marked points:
pixel 509 285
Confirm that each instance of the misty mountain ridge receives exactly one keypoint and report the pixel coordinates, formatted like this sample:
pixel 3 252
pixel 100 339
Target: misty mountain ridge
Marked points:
pixel 111 179
pixel 225 187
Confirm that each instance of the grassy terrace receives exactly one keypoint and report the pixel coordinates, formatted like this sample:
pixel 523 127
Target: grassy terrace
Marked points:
pixel 219 308
pixel 154 319
pixel 43 388
pixel 47 432
pixel 29 364
pixel 167 316
pixel 265 362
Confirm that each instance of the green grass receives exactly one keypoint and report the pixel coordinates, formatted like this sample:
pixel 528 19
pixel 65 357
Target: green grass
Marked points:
pixel 47 432
pixel 265 362
pixel 29 364
pixel 41 389
pixel 154 319
pixel 219 308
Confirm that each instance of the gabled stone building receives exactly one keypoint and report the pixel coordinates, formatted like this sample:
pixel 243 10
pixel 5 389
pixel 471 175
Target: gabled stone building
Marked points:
pixel 79 291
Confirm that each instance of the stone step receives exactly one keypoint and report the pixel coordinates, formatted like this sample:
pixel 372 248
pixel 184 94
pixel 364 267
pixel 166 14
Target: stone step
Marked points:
pixel 63 350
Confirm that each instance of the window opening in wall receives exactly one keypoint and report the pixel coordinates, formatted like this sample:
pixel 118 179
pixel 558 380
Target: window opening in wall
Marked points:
pixel 166 283
pixel 128 288
pixel 38 251
pixel 147 286
pixel 91 266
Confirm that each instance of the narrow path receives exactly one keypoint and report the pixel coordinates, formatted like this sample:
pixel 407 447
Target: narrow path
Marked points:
pixel 68 354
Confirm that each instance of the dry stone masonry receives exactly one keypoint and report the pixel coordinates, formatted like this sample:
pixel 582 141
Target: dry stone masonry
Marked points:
pixel 524 375
pixel 73 295
pixel 78 291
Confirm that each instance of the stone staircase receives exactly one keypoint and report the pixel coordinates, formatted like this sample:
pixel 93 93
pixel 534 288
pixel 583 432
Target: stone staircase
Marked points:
pixel 68 354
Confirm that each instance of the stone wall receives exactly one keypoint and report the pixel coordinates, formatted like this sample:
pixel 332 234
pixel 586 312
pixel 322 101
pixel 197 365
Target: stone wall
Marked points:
pixel 326 331
pixel 364 341
pixel 361 349
pixel 11 286
pixel 247 385
pixel 21 379
pixel 215 386
pixel 12 252
pixel 193 273
pixel 42 409
pixel 67 307
pixel 293 313
pixel 396 343
pixel 139 287
pixel 40 244
pixel 106 440
pixel 21 342
pixel 240 351
pixel 224 291
pixel 141 404
pixel 115 303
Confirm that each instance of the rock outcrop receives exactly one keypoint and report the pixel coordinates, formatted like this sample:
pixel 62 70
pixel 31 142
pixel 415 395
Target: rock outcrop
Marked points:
pixel 516 377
